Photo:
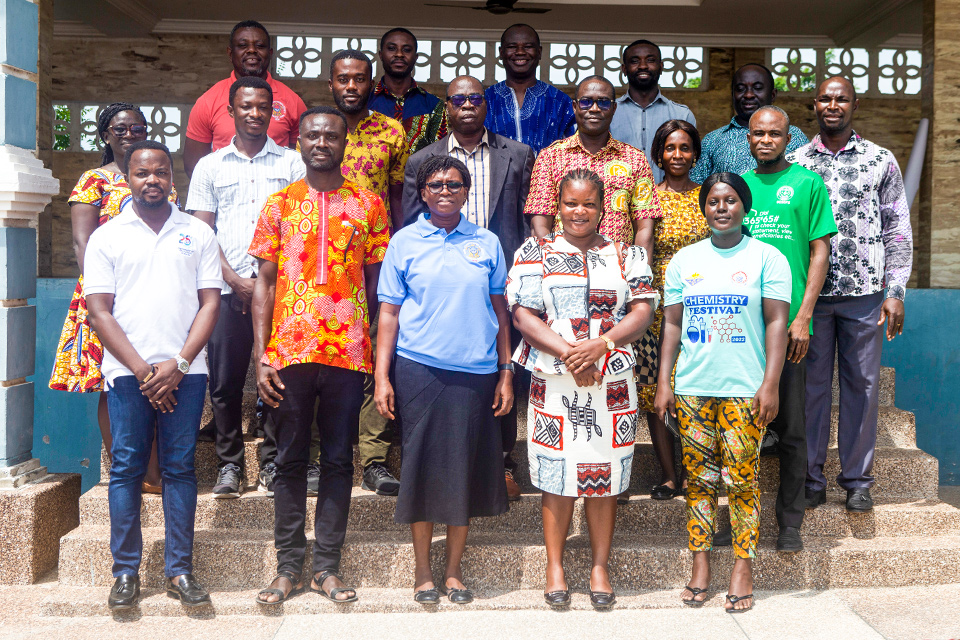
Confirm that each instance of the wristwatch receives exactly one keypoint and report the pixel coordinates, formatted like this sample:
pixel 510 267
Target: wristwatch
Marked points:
pixel 508 366
pixel 610 345
pixel 182 364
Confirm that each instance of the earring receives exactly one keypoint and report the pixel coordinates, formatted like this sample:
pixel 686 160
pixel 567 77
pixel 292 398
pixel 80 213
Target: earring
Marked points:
pixel 659 164
pixel 694 164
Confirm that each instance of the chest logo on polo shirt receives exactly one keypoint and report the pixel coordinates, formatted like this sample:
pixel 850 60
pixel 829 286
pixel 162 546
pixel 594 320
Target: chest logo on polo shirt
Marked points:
pixel 616 169
pixel 279 110
pixel 784 194
pixel 472 251
pixel 186 244
pixel 694 279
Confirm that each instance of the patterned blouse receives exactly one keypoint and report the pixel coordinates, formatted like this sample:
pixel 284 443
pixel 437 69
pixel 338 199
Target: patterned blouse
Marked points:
pixel 321 243
pixel 579 295
pixel 376 155
pixel 629 192
pixel 874 246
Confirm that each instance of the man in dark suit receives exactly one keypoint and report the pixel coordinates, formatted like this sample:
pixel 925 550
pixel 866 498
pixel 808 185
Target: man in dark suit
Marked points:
pixel 500 174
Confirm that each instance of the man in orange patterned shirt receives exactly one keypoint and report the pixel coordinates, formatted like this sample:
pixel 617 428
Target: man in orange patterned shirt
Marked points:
pixel 630 202
pixel 319 243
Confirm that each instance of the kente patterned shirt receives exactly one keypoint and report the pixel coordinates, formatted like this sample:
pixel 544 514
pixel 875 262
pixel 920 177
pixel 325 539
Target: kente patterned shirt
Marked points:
pixel 545 117
pixel 376 155
pixel 727 149
pixel 426 130
pixel 409 109
pixel 874 246
pixel 629 192
pixel 321 242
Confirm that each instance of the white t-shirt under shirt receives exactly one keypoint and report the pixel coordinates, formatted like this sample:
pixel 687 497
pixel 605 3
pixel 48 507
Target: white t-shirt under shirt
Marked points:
pixel 154 279
pixel 722 337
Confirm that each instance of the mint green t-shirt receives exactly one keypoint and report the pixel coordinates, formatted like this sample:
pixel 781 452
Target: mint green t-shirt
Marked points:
pixel 790 208
pixel 723 335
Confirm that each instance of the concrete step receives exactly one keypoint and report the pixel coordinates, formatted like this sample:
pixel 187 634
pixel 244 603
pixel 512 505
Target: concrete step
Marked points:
pixel 641 516
pixel 900 472
pixel 243 559
pixel 887 386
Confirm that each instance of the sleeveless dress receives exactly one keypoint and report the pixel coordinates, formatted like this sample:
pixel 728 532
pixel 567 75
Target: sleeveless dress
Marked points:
pixel 76 366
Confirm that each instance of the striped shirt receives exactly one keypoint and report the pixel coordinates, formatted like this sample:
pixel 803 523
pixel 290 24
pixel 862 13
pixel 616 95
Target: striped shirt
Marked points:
pixel 477 207
pixel 235 187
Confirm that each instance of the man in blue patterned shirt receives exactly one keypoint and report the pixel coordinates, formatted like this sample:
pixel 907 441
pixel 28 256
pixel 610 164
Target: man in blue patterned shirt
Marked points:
pixel 726 148
pixel 521 107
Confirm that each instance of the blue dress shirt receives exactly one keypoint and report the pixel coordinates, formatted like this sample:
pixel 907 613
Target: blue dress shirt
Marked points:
pixel 442 283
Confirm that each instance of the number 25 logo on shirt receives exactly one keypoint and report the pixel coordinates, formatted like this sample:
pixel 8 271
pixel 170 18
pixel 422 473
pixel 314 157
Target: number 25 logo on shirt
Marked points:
pixel 186 244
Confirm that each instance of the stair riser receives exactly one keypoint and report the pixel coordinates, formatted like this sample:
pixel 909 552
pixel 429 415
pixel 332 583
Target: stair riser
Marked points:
pixel 249 564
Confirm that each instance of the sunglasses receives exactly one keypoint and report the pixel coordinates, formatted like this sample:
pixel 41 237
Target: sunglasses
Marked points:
pixel 587 103
pixel 437 187
pixel 137 130
pixel 458 100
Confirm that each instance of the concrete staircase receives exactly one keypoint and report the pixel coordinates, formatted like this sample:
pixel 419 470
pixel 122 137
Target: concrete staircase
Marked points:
pixel 909 538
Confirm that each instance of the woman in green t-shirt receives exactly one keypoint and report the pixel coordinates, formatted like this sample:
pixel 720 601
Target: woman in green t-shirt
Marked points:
pixel 726 301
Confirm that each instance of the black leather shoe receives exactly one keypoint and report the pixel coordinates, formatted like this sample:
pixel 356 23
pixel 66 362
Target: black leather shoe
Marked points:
pixel 427 596
pixel 789 540
pixel 124 594
pixel 188 591
pixel 459 596
pixel 723 537
pixel 814 498
pixel 602 599
pixel 558 599
pixel 859 500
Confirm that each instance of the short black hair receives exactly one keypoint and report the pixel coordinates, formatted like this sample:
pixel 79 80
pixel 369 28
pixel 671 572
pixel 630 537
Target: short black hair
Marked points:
pixel 520 25
pixel 592 78
pixel 733 80
pixel 668 127
pixel 351 54
pixel 324 110
pixel 435 164
pixel 251 82
pixel 248 24
pixel 148 144
pixel 739 185
pixel 384 37
pixel 635 43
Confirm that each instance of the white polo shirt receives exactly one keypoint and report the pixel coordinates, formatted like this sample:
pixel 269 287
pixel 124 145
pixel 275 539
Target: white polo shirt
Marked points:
pixel 154 279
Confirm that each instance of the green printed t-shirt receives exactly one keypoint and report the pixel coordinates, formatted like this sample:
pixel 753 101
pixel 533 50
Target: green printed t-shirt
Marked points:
pixel 790 208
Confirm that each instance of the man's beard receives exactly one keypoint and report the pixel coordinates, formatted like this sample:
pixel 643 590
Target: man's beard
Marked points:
pixel 351 110
pixel 641 86
pixel 771 162
pixel 142 202
pixel 397 75
pixel 325 165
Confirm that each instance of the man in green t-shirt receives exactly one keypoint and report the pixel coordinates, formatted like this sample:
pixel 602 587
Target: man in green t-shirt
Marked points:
pixel 791 211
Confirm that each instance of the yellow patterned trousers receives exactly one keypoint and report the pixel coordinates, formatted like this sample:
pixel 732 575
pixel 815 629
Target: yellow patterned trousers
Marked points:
pixel 721 447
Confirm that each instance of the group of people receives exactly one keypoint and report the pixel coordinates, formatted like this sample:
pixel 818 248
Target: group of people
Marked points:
pixel 389 261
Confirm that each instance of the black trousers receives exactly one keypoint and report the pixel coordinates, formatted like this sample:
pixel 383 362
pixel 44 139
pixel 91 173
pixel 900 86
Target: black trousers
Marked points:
pixel 790 425
pixel 228 355
pixel 340 394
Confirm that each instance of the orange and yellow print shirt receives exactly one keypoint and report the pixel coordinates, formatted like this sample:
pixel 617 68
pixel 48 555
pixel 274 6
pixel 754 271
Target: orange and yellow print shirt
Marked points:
pixel 320 310
pixel 629 192
pixel 376 155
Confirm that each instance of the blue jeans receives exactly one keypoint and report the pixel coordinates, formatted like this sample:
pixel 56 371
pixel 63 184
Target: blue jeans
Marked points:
pixel 133 424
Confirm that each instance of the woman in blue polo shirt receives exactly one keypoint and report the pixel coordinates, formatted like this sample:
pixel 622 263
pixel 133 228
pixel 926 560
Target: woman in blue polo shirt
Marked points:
pixel 726 301
pixel 444 327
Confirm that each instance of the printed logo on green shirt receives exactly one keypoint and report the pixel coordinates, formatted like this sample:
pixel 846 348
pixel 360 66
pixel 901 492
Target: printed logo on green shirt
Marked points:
pixel 784 194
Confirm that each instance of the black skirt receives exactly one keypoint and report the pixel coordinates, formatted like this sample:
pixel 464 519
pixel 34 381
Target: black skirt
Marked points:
pixel 452 452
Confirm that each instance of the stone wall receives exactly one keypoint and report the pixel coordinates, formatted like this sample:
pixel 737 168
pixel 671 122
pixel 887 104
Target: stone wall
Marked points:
pixel 178 68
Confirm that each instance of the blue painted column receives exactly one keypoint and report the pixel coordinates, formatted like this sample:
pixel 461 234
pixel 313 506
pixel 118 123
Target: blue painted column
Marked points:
pixel 25 189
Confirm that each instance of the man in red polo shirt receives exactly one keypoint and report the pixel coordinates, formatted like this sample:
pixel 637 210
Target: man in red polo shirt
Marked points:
pixel 210 126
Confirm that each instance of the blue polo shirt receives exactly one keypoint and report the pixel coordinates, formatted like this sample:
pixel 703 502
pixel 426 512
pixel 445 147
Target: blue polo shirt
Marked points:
pixel 443 283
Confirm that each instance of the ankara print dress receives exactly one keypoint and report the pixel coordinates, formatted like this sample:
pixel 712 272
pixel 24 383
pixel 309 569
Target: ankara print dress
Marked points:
pixel 580 439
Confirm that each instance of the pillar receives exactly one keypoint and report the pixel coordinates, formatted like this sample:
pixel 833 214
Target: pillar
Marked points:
pixel 36 508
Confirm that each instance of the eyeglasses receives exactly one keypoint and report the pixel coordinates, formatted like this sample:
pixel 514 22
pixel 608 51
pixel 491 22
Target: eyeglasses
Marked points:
pixel 137 130
pixel 587 103
pixel 458 100
pixel 437 187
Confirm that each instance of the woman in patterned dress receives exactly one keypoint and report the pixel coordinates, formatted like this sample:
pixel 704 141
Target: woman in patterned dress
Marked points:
pixel 676 147
pixel 580 301
pixel 100 194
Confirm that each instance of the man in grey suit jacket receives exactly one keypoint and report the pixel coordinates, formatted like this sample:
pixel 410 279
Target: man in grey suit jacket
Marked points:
pixel 500 174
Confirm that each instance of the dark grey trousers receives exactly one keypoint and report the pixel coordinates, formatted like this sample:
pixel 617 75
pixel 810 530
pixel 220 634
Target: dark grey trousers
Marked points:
pixel 845 326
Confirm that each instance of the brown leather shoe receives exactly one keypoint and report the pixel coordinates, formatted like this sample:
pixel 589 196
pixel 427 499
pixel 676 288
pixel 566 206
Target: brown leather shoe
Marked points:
pixel 513 489
pixel 151 488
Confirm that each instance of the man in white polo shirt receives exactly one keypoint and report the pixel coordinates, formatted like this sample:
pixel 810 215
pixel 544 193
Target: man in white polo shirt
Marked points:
pixel 153 296
pixel 228 190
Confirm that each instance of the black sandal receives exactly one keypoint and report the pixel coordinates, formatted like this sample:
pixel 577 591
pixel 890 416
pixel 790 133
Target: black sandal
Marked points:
pixel 693 602
pixel 427 596
pixel 332 595
pixel 294 580
pixel 736 599
pixel 663 492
